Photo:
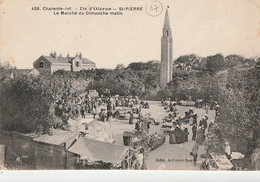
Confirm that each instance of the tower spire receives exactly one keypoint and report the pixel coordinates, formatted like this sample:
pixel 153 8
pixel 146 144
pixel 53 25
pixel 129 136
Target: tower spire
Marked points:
pixel 166 52
pixel 166 20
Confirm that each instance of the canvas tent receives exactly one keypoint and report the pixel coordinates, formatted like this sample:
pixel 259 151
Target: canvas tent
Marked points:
pixel 95 150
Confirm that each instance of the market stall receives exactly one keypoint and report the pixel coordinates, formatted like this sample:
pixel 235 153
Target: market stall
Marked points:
pixel 96 154
pixel 219 162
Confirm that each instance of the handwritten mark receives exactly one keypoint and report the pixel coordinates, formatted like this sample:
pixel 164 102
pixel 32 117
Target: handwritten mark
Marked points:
pixel 154 8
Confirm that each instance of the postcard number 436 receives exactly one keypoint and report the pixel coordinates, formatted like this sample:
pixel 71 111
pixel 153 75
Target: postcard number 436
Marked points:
pixel 35 8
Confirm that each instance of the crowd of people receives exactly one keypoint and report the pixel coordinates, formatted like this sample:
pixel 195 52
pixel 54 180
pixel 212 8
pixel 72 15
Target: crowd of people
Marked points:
pixel 199 128
pixel 79 106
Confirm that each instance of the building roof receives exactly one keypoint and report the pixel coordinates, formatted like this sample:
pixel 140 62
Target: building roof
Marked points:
pixel 7 74
pixel 66 59
pixel 97 150
pixel 58 137
pixel 167 20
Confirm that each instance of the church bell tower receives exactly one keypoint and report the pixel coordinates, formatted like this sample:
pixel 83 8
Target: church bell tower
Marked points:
pixel 166 52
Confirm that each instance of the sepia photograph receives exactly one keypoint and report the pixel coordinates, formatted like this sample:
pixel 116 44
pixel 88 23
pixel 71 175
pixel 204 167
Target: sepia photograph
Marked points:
pixel 130 85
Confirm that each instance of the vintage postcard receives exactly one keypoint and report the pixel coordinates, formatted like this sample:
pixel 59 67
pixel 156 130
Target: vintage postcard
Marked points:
pixel 130 85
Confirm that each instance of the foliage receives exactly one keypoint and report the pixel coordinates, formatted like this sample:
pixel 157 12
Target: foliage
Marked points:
pixel 27 103
pixel 129 81
pixel 239 98
pixel 120 67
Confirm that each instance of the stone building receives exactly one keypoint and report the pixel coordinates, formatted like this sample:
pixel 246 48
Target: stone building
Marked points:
pixel 53 63
pixel 166 53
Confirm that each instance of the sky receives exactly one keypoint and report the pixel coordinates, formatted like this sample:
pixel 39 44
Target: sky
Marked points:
pixel 202 27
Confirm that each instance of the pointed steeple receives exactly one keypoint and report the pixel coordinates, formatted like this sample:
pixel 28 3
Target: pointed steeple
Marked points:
pixel 166 20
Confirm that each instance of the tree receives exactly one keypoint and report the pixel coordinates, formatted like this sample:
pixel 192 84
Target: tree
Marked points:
pixel 120 67
pixel 216 62
pixel 23 107
pixel 239 99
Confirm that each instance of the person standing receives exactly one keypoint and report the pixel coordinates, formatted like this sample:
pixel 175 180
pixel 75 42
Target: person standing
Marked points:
pixel 195 119
pixel 217 111
pixel 195 151
pixel 116 114
pixel 140 159
pixel 138 125
pixel 200 135
pixel 94 112
pixel 102 115
pixel 109 115
pixel 131 118
pixel 204 123
pixel 206 108
pixel 83 112
pixel 227 150
pixel 194 132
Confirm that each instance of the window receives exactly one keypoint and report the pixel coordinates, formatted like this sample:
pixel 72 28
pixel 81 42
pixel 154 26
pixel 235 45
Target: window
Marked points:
pixel 167 34
pixel 41 64
pixel 77 64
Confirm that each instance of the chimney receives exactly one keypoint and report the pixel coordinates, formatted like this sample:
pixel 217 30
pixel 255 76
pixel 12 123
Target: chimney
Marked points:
pixel 80 55
pixel 60 55
pixel 68 55
pixel 51 54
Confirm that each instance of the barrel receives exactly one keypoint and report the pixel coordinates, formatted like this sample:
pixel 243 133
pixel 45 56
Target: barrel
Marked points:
pixel 127 138
pixel 129 135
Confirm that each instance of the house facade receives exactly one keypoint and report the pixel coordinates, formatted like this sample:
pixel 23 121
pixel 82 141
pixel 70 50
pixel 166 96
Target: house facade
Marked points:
pixel 53 63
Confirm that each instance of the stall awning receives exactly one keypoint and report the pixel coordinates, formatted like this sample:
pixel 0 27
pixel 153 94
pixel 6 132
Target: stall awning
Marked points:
pixel 58 137
pixel 98 150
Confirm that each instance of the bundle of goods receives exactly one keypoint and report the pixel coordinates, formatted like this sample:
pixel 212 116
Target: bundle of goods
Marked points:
pixel 124 113
pixel 166 127
pixel 151 142
pixel 184 120
pixel 155 140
